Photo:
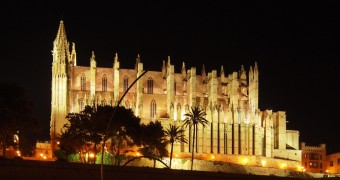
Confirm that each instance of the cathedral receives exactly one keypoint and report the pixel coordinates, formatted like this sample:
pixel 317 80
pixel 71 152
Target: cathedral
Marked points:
pixel 237 127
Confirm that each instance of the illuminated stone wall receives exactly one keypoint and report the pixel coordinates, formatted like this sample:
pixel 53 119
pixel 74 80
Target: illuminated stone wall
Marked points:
pixel 314 158
pixel 236 125
pixel 332 163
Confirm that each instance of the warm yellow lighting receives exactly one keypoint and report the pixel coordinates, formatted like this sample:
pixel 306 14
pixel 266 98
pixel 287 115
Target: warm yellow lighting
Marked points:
pixel 327 171
pixel 41 154
pixel 58 142
pixel 245 161
pixel 18 152
pixel 176 155
pixel 212 157
pixel 44 157
pixel 91 155
pixel 264 163
pixel 283 165
pixel 137 154
pixel 300 168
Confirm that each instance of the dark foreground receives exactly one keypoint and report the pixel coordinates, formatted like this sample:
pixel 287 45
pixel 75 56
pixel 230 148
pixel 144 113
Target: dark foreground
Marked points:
pixel 24 169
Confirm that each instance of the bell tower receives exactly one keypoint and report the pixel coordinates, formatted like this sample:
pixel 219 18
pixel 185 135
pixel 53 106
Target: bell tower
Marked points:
pixel 61 58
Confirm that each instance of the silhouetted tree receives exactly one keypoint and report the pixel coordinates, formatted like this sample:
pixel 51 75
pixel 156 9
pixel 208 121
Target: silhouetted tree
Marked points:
pixel 193 118
pixel 153 141
pixel 174 134
pixel 16 116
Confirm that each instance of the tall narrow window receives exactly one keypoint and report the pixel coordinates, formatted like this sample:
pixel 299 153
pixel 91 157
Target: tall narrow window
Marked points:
pixel 175 87
pixel 83 82
pixel 179 112
pixel 81 105
pixel 153 108
pixel 104 83
pixel 126 83
pixel 150 85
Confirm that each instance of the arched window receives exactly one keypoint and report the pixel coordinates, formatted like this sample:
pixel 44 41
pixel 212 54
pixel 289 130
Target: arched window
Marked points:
pixel 150 85
pixel 81 104
pixel 126 83
pixel 153 108
pixel 83 82
pixel 104 83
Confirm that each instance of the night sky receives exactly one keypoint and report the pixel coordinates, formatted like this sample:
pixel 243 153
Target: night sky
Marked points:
pixel 296 46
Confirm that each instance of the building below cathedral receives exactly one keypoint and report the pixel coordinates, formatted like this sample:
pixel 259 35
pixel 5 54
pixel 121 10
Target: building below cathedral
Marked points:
pixel 237 131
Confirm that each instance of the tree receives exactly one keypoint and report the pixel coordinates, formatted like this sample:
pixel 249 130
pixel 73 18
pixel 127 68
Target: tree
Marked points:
pixel 16 115
pixel 76 134
pixel 86 130
pixel 193 118
pixel 153 141
pixel 175 134
pixel 124 131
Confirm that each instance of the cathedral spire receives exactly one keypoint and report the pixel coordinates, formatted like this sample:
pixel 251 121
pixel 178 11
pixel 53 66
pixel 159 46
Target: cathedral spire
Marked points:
pixel 222 72
pixel 204 75
pixel 184 73
pixel 243 75
pixel 169 63
pixel 164 70
pixel 74 55
pixel 137 61
pixel 251 74
pixel 93 62
pixel 116 62
pixel 138 58
pixel 61 35
pixel 116 58
pixel 222 75
pixel 255 67
pixel 60 51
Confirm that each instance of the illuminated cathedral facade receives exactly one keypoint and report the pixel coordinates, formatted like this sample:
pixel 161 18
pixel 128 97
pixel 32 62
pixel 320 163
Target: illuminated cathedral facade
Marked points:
pixel 236 124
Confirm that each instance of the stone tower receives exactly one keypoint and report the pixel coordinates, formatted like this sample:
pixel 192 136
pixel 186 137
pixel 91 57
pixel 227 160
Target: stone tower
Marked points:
pixel 62 61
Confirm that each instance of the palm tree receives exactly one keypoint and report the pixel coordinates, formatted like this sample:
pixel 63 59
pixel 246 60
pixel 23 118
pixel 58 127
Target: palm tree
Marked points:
pixel 175 134
pixel 193 118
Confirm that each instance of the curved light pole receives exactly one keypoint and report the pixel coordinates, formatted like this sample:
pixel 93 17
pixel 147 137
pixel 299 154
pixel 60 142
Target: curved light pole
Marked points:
pixel 108 125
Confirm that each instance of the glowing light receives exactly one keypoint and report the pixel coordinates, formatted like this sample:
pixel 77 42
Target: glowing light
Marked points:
pixel 245 161
pixel 41 154
pixel 91 155
pixel 44 157
pixel 212 157
pixel 300 168
pixel 283 165
pixel 176 155
pixel 137 154
pixel 327 171
pixel 58 142
pixel 264 163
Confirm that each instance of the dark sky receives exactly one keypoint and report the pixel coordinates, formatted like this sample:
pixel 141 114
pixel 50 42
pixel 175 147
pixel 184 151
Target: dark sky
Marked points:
pixel 296 46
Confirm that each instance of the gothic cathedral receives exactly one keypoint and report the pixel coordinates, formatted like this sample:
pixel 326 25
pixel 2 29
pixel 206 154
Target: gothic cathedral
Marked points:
pixel 236 125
